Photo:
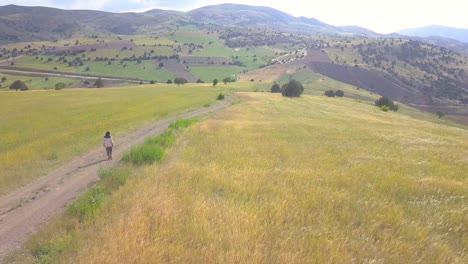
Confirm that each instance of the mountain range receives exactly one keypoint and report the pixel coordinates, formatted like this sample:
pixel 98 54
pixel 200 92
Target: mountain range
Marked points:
pixel 18 23
pixel 427 72
pixel 459 34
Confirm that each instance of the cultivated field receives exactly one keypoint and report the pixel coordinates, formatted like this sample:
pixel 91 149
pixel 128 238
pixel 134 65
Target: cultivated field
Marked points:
pixel 46 128
pixel 275 180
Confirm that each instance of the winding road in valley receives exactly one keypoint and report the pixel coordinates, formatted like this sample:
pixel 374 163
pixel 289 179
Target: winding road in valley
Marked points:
pixel 27 209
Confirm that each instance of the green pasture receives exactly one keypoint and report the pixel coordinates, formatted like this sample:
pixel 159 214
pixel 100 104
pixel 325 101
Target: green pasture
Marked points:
pixel 208 74
pixel 42 63
pixel 42 129
pixel 146 70
pixel 36 83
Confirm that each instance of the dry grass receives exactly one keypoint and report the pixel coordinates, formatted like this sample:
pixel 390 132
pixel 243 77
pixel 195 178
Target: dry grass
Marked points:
pixel 42 129
pixel 309 180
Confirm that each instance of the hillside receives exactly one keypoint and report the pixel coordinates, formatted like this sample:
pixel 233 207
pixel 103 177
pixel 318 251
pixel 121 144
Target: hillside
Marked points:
pixel 280 180
pixel 460 34
pixel 208 43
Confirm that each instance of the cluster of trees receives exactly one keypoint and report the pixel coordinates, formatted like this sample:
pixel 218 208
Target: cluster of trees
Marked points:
pixel 331 93
pixel 386 104
pixel 291 89
pixel 18 85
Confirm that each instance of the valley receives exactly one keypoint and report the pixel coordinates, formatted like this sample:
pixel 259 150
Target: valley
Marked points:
pixel 210 165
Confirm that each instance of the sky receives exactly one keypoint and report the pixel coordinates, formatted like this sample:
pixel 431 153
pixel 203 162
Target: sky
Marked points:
pixel 382 16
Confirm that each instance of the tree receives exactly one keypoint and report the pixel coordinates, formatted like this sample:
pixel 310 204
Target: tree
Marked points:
pixel 200 81
pixel 292 89
pixel 4 79
pixel 275 88
pixel 161 65
pixel 440 114
pixel 215 82
pixel 87 68
pixel 330 93
pixel 339 93
pixel 99 83
pixel 180 81
pixel 169 81
pixel 152 82
pixel 18 85
pixel 386 104
pixel 228 79
pixel 59 86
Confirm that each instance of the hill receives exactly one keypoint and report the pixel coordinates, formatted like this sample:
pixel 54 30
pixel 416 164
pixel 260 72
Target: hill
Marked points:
pixel 460 34
pixel 227 40
pixel 307 185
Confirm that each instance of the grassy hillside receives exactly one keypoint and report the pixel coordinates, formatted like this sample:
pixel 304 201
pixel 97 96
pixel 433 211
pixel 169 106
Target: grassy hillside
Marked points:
pixel 275 180
pixel 46 128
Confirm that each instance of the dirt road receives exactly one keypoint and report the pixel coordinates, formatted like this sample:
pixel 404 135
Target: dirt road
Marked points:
pixel 24 211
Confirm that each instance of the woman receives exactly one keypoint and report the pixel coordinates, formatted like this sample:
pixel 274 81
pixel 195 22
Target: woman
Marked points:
pixel 108 144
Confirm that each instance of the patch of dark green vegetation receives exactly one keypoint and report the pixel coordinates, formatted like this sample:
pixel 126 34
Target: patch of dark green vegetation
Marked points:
pixel 153 149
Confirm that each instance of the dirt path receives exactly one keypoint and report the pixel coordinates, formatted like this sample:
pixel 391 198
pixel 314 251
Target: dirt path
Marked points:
pixel 24 211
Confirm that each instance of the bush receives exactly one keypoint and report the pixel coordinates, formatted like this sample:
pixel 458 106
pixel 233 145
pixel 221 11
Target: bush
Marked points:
pixel 59 86
pixel 18 85
pixel 215 82
pixel 386 104
pixel 152 82
pixel 330 93
pixel 275 88
pixel 220 96
pixel 99 83
pixel 169 81
pixel 440 114
pixel 180 81
pixel 228 79
pixel 292 89
pixel 339 93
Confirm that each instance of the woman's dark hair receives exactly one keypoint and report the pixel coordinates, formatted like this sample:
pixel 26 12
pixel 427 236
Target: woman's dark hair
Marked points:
pixel 107 134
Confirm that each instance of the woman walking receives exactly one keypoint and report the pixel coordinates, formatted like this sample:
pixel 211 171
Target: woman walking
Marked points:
pixel 108 144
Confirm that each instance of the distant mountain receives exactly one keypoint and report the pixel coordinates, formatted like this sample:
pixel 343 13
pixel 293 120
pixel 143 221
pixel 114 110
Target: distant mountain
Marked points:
pixel 357 30
pixel 235 15
pixel 18 23
pixel 459 34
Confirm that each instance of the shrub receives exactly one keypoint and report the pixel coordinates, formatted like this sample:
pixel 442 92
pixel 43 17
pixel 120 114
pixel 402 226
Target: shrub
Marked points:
pixel 180 81
pixel 386 104
pixel 215 82
pixel 169 81
pixel 59 86
pixel 228 79
pixel 330 93
pixel 18 85
pixel 339 93
pixel 292 89
pixel 152 82
pixel 440 114
pixel 99 83
pixel 275 88
pixel 220 96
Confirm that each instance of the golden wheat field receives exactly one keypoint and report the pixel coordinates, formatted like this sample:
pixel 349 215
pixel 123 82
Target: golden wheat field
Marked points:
pixel 276 180
pixel 42 129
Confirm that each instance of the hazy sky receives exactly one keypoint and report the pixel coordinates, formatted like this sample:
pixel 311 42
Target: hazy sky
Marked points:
pixel 383 16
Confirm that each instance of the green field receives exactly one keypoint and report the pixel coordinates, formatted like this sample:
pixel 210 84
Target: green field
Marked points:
pixel 208 74
pixel 36 83
pixel 42 129
pixel 146 70
pixel 277 180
